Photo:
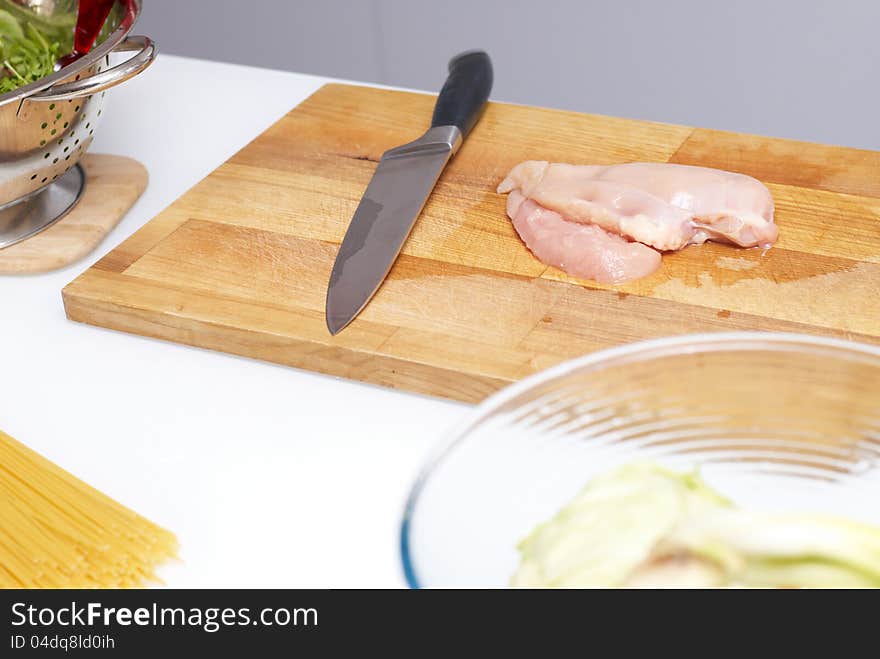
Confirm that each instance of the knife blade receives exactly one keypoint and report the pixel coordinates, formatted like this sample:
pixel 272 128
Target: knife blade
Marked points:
pixel 401 184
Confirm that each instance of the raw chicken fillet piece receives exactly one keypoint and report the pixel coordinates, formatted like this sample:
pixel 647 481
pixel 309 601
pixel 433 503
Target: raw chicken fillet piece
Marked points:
pixel 607 223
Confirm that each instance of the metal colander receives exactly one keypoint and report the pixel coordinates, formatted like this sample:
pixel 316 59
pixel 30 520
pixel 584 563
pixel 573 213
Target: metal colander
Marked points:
pixel 47 126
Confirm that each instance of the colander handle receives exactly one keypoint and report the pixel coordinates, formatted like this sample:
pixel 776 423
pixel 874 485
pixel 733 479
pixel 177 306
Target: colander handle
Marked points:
pixel 106 79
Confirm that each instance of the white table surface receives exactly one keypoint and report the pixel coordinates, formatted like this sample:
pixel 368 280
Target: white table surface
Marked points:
pixel 269 476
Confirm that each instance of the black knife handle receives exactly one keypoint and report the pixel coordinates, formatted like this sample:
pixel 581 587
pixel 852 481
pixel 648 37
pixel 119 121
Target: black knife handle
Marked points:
pixel 465 92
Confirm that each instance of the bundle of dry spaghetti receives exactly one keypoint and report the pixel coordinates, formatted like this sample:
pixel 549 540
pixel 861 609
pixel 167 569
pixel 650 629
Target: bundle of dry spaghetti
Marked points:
pixel 58 532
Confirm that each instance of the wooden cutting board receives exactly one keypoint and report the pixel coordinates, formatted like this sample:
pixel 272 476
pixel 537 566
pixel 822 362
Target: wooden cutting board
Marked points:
pixel 240 263
pixel 113 184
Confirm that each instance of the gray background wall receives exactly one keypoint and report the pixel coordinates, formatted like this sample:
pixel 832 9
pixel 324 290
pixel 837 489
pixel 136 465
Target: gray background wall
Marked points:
pixel 805 69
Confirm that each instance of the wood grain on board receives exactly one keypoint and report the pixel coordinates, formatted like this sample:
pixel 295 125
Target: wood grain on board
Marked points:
pixel 240 263
pixel 113 184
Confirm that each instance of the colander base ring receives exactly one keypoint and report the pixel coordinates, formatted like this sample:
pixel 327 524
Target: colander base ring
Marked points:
pixel 37 213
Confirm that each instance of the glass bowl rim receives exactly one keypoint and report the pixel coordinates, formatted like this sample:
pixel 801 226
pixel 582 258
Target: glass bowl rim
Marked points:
pixel 622 354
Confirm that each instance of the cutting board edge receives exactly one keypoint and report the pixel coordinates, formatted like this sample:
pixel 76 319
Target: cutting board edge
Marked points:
pixel 373 368
pixel 691 129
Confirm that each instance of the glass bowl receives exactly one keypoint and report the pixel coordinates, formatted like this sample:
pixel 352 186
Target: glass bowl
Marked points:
pixel 774 421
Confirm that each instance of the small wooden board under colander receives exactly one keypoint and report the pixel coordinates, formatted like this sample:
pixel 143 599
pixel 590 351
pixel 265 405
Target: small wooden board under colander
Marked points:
pixel 240 263
pixel 113 184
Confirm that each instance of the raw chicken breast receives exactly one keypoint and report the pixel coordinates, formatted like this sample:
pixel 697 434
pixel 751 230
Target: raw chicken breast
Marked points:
pixel 582 250
pixel 664 206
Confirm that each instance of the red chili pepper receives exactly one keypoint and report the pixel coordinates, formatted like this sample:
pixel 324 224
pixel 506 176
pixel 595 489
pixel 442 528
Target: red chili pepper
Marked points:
pixel 91 15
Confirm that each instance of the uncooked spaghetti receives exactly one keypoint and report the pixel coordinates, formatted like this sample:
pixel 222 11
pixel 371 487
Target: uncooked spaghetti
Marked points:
pixel 58 532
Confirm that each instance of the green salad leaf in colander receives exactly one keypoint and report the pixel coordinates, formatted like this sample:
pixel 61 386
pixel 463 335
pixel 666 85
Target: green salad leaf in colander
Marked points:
pixel 28 51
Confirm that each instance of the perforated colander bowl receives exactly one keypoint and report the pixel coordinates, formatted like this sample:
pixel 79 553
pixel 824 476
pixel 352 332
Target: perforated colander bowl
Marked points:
pixel 47 126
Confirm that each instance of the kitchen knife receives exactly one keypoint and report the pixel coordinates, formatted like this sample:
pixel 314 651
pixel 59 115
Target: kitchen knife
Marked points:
pixel 401 185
